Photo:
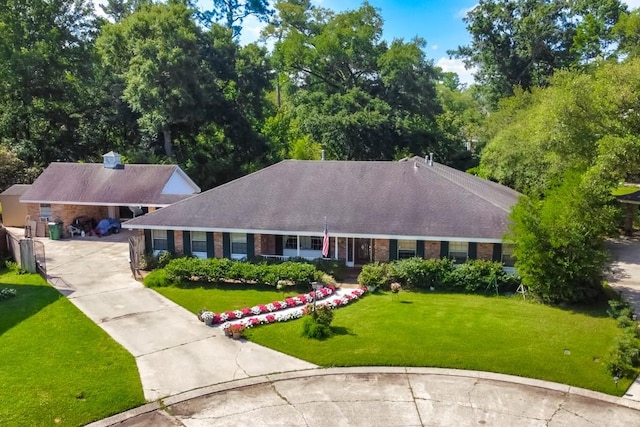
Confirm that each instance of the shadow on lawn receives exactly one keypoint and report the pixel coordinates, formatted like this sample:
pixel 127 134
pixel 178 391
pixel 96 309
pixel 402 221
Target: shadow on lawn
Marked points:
pixel 341 330
pixel 29 300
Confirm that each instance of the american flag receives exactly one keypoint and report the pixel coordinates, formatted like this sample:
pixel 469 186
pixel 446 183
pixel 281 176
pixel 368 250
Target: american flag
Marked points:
pixel 325 242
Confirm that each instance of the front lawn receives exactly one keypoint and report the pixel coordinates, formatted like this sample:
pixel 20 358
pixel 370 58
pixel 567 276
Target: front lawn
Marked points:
pixel 504 335
pixel 56 366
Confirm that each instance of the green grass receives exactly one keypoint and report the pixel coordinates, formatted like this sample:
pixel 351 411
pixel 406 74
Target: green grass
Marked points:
pixel 56 366
pixel 224 297
pixel 504 335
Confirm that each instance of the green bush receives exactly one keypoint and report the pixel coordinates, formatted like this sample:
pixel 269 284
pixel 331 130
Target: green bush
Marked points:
pixel 622 312
pixel 323 315
pixel 219 269
pixel 6 293
pixel 312 329
pixel 164 258
pixel 157 278
pixel 421 273
pixel 336 268
pixel 373 275
pixel 624 355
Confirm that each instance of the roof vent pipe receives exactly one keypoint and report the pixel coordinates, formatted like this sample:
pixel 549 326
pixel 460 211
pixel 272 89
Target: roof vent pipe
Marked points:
pixel 322 155
pixel 430 159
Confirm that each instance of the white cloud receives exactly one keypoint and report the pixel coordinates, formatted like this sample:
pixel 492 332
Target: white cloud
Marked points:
pixel 457 66
pixel 462 13
pixel 251 28
pixel 435 47
pixel 632 4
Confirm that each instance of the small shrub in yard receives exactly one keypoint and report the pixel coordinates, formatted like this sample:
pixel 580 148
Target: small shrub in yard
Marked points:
pixel 7 293
pixel 622 312
pixel 317 324
pixel 164 258
pixel 157 278
pixel 14 267
pixel 624 355
pixel 421 273
pixel 373 275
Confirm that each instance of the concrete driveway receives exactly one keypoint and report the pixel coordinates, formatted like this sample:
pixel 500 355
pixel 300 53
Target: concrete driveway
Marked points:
pixel 174 351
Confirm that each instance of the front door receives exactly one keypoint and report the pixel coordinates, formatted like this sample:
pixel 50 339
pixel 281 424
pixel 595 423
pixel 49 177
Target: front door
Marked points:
pixel 363 251
pixel 351 243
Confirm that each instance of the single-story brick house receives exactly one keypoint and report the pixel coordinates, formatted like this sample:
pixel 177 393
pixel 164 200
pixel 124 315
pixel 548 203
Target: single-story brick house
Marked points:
pixel 374 211
pixel 110 189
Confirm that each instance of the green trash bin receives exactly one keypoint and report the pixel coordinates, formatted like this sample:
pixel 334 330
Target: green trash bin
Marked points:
pixel 55 230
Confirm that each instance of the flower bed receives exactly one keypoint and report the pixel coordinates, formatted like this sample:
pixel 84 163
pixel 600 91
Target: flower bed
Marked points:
pixel 211 318
pixel 296 314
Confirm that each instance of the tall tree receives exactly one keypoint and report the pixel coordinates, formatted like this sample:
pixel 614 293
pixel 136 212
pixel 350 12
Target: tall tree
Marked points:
pixel 155 52
pixel 352 93
pixel 47 61
pixel 522 42
pixel 231 13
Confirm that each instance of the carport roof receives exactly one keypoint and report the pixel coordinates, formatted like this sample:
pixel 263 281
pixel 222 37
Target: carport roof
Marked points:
pixel 93 184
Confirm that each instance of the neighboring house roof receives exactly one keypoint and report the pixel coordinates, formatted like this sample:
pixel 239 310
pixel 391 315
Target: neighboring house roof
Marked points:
pixel 409 199
pixel 126 185
pixel 16 190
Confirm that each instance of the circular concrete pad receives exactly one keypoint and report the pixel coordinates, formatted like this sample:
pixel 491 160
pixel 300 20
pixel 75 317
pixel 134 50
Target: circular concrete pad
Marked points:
pixel 385 397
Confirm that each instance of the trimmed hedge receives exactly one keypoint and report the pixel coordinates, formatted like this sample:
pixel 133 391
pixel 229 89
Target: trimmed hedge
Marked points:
pixel 220 269
pixel 474 276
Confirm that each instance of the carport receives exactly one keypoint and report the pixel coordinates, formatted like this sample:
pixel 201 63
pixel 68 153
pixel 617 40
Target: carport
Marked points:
pixel 65 191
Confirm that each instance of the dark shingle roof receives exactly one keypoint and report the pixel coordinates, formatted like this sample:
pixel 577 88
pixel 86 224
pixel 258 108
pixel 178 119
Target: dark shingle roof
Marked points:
pixel 16 190
pixel 92 183
pixel 407 198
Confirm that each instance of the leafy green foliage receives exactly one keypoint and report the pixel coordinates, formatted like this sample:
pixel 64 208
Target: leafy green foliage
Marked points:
pixel 221 269
pixel 559 241
pixel 317 323
pixel 373 275
pixel 624 357
pixel 157 278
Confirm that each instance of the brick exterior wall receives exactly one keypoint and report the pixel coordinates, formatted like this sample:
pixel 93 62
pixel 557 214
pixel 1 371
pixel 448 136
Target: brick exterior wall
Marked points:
pixel 431 249
pixel 381 252
pixel 178 239
pixel 485 251
pixel 217 245
pixel 66 213
pixel 257 244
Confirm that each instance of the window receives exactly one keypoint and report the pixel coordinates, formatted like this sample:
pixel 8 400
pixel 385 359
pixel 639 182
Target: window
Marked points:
pixel 159 238
pixel 45 211
pixel 306 243
pixel 459 251
pixel 239 243
pixel 198 242
pixel 507 256
pixel 406 249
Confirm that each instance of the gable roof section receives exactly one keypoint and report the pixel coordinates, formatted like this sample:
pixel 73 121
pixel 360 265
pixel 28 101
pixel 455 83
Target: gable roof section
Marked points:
pixel 381 199
pixel 93 184
pixel 16 190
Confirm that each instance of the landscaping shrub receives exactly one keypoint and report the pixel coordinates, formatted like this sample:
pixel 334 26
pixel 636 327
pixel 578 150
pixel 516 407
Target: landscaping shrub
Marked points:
pixel 164 258
pixel 317 324
pixel 6 293
pixel 14 267
pixel 477 275
pixel 374 275
pixel 336 268
pixel 220 269
pixel 157 278
pixel 622 312
pixel 623 357
pixel 421 273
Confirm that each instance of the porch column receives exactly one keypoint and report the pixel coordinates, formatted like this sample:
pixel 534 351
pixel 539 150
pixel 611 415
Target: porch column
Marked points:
pixel 298 246
pixel 335 252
